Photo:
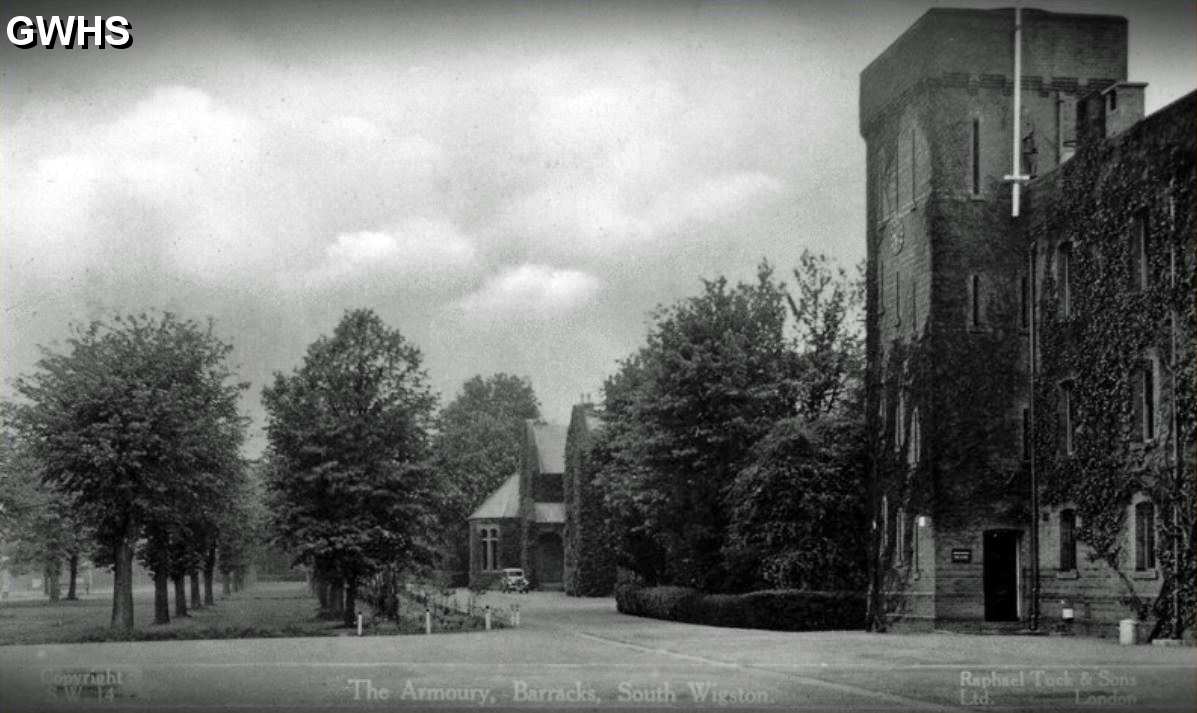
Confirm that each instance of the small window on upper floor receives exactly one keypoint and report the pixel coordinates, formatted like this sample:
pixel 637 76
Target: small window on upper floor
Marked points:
pixel 1067 418
pixel 975 157
pixel 1138 246
pixel 1064 278
pixel 1143 395
pixel 1024 433
pixel 1024 302
pixel 974 302
pixel 1112 100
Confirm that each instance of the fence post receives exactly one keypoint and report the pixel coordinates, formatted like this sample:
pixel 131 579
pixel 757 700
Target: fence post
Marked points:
pixel 427 621
pixel 515 614
pixel 359 624
pixel 488 617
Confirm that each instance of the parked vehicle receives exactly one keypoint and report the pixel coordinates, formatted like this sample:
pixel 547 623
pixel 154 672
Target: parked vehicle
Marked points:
pixel 513 580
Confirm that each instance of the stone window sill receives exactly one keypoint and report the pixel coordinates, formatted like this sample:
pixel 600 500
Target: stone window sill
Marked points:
pixel 1145 574
pixel 1067 574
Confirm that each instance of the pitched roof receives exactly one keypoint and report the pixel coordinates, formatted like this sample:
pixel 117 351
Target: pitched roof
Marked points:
pixel 549 441
pixel 504 502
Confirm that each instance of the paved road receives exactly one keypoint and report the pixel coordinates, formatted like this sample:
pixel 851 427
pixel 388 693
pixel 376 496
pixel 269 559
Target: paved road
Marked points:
pixel 580 654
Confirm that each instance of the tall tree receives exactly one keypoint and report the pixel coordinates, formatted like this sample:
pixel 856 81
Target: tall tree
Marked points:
pixel 137 420
pixel 480 436
pixel 348 437
pixel 715 375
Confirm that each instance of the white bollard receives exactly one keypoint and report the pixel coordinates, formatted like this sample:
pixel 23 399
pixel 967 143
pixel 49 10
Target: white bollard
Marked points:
pixel 488 617
pixel 359 624
pixel 515 615
pixel 427 621
pixel 1126 632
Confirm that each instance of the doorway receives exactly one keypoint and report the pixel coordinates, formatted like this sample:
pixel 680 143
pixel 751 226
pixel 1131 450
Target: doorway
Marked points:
pixel 550 558
pixel 1001 575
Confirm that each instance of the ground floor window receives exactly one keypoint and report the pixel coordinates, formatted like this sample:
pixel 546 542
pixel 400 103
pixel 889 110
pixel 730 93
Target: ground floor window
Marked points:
pixel 1067 540
pixel 1144 536
pixel 489 538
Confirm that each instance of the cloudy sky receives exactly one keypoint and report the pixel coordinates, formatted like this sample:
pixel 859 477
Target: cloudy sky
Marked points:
pixel 513 186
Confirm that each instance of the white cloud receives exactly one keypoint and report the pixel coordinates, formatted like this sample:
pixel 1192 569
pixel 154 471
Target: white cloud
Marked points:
pixel 420 251
pixel 530 291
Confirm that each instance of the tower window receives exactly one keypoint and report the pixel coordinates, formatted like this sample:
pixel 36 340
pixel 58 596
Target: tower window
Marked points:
pixel 975 154
pixel 1024 302
pixel 1025 433
pixel 1067 540
pixel 974 299
pixel 490 548
pixel 1144 536
pixel 915 452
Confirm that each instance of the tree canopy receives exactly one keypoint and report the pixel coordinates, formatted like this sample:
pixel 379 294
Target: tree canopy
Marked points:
pixel 348 442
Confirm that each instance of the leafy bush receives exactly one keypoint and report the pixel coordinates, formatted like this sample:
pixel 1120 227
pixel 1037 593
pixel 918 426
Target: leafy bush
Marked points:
pixel 779 609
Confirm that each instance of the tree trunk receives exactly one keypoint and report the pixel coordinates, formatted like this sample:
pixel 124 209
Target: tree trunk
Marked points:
pixel 209 573
pixel 197 601
pixel 161 596
pixel 180 595
pixel 350 618
pixel 226 583
pixel 321 592
pixel 122 581
pixel 53 574
pixel 336 599
pixel 72 584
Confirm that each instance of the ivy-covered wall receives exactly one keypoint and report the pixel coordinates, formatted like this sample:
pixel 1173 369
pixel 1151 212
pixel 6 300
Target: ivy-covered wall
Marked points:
pixel 1117 325
pixel 590 560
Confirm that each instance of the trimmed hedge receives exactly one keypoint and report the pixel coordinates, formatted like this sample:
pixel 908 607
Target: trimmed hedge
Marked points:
pixel 779 609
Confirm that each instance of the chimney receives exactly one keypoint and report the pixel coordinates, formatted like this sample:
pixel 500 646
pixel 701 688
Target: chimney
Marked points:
pixel 1109 111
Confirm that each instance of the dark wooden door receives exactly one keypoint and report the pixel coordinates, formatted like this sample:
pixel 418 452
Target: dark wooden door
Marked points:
pixel 551 558
pixel 1001 575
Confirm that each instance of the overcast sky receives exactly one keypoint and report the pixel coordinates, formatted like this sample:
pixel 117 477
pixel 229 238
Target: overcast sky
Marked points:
pixel 513 186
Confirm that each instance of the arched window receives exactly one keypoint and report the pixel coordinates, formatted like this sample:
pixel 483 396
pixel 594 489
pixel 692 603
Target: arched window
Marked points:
pixel 1144 536
pixel 1067 540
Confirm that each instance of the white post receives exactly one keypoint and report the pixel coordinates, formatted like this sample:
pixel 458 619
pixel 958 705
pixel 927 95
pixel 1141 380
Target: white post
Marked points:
pixel 359 624
pixel 487 615
pixel 427 621
pixel 1016 178
pixel 517 614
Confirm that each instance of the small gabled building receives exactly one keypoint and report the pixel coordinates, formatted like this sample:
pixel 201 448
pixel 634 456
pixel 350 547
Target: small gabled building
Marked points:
pixel 521 523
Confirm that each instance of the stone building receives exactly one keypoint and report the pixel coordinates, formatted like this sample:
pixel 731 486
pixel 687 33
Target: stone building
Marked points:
pixel 958 290
pixel 589 549
pixel 521 523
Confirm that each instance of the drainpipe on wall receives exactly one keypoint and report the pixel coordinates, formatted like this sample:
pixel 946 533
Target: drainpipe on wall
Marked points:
pixel 1031 427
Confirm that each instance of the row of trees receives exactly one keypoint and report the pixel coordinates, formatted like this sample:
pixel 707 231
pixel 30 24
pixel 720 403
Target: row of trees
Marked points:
pixel 733 452
pixel 126 445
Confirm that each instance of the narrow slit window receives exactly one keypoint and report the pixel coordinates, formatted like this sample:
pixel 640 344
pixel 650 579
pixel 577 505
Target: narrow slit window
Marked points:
pixel 1067 417
pixel 897 297
pixel 974 289
pixel 1025 433
pixel 1065 277
pixel 1147 380
pixel 1024 302
pixel 975 148
pixel 1138 252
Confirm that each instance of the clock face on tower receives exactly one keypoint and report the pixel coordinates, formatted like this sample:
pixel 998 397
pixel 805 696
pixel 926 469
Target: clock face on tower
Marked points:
pixel 897 235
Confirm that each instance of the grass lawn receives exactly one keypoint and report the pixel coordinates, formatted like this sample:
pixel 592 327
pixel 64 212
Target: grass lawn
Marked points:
pixel 266 609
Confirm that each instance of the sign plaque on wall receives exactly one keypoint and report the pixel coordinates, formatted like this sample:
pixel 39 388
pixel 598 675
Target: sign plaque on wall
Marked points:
pixel 961 555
